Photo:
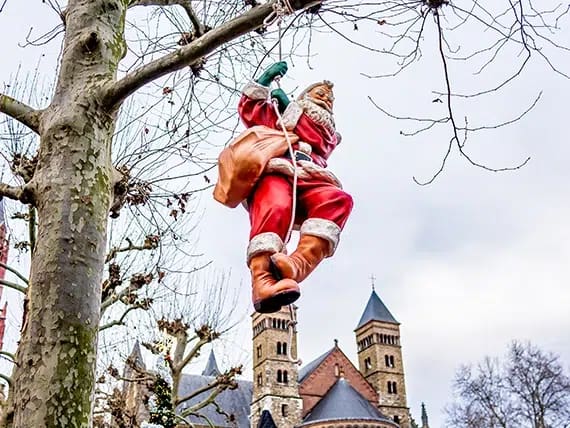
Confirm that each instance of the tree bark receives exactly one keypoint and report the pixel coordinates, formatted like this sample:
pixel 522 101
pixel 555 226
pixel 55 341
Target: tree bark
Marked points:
pixel 72 186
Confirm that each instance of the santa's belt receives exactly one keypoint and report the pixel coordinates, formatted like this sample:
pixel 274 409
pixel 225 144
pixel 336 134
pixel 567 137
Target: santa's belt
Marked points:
pixel 299 156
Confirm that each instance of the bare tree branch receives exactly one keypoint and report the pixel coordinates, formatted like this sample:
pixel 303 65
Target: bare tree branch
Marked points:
pixel 185 4
pixel 13 192
pixel 15 272
pixel 20 111
pixel 13 286
pixel 194 51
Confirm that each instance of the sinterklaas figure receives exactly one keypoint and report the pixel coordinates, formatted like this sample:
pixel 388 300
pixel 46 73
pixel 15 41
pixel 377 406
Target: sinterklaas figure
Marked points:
pixel 256 170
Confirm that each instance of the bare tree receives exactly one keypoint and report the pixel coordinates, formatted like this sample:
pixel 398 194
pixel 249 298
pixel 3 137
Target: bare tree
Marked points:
pixel 198 317
pixel 530 389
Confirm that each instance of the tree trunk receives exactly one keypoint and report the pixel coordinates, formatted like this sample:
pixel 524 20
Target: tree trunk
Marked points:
pixel 54 377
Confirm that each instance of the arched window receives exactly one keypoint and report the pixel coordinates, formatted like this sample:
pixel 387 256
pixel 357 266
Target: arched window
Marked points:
pixel 279 376
pixel 278 348
pixel 389 387
pixel 274 323
pixel 284 410
pixel 284 348
pixel 336 370
pixel 368 363
pixel 259 352
pixel 394 388
pixel 259 379
pixel 391 361
pixel 387 360
pixel 285 377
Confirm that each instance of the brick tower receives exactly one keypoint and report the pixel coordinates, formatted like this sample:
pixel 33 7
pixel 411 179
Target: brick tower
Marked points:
pixel 380 359
pixel 275 386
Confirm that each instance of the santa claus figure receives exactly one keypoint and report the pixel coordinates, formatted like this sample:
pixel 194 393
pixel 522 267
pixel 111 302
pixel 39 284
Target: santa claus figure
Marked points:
pixel 322 207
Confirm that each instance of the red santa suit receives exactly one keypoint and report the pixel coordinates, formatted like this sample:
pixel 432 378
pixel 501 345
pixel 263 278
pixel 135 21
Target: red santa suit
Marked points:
pixel 322 206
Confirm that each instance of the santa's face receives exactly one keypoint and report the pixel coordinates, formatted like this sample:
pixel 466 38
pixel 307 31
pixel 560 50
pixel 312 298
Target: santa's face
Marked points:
pixel 323 96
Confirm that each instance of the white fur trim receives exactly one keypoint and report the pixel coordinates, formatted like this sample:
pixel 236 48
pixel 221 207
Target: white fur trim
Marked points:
pixel 305 171
pixel 304 147
pixel 316 171
pixel 291 115
pixel 255 91
pixel 267 242
pixel 322 228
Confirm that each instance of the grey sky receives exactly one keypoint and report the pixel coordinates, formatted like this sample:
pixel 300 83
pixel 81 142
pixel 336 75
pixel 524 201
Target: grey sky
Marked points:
pixel 466 264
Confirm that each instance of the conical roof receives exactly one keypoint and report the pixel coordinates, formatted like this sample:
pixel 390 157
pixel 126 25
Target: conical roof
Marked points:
pixel 376 310
pixel 266 420
pixel 343 402
pixel 211 366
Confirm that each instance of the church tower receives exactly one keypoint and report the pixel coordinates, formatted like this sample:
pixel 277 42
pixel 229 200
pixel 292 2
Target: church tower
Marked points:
pixel 380 359
pixel 275 386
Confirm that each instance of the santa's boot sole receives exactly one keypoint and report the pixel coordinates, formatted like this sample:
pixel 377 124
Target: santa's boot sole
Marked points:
pixel 274 303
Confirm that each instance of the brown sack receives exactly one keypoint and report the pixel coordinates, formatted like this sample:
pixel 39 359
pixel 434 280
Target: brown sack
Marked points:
pixel 241 163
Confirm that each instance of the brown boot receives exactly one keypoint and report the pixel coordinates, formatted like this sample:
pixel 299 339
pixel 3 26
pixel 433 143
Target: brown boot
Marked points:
pixel 309 253
pixel 268 293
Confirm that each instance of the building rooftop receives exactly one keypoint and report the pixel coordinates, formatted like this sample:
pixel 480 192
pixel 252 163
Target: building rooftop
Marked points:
pixel 343 402
pixel 308 369
pixel 235 402
pixel 211 368
pixel 376 310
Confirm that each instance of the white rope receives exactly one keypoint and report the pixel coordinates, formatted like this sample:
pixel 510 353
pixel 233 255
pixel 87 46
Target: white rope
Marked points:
pixel 281 8
pixel 293 323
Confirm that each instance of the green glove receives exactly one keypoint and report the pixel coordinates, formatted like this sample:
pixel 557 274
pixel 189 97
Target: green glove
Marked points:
pixel 281 97
pixel 277 69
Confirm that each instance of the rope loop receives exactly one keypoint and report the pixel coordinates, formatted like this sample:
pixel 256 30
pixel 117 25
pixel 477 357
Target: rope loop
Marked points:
pixel 281 8
pixel 292 327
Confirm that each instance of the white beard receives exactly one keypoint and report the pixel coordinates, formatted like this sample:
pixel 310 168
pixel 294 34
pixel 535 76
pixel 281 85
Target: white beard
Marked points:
pixel 317 113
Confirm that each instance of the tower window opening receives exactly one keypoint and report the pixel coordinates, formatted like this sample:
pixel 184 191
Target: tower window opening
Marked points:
pixel 389 387
pixel 336 370
pixel 279 376
pixel 285 377
pixel 259 379
pixel 284 410
pixel 394 388
pixel 387 360
pixel 391 361
pixel 274 323
pixel 284 348
pixel 396 419
pixel 278 348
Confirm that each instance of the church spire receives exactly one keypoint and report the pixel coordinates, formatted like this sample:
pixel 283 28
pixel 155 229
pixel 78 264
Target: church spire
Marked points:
pixel 212 366
pixel 376 310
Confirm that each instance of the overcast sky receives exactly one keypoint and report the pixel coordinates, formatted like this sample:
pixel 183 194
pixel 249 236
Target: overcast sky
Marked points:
pixel 466 264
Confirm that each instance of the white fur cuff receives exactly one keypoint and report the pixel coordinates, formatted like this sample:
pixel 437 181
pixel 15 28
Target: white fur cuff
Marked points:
pixel 255 91
pixel 291 115
pixel 267 242
pixel 322 228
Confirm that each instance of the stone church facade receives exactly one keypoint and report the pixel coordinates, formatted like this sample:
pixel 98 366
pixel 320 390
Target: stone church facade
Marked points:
pixel 328 392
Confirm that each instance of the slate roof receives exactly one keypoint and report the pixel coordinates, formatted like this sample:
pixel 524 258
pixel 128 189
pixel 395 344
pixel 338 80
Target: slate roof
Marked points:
pixel 309 368
pixel 343 402
pixel 211 368
pixel 376 310
pixel 266 420
pixel 235 402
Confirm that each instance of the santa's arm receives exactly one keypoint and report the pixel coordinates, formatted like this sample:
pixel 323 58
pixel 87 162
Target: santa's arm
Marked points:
pixel 255 107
